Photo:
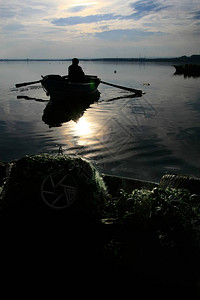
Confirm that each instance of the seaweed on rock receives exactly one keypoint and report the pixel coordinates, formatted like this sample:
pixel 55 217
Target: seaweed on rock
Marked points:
pixel 156 234
pixel 60 177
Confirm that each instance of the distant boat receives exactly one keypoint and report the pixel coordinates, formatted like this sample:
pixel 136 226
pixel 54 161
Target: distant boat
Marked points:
pixel 188 69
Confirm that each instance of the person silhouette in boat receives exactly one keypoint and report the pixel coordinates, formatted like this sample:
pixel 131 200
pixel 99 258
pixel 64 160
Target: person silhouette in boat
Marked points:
pixel 75 72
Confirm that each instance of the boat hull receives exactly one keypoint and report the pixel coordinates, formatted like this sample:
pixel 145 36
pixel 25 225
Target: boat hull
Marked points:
pixel 187 70
pixel 55 85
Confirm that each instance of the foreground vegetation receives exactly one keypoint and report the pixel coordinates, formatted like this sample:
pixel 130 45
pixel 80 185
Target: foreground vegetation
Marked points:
pixel 157 233
pixel 152 234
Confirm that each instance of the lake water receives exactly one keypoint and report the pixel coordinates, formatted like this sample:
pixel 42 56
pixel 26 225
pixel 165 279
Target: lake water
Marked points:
pixel 138 137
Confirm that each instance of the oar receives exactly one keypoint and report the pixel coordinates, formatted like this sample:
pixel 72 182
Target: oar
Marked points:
pixel 33 82
pixel 139 92
pixel 26 83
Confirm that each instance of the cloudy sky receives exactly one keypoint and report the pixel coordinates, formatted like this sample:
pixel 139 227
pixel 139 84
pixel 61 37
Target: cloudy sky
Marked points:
pixel 105 28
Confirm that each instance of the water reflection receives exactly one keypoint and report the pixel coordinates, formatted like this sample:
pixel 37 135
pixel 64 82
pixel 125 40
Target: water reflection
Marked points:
pixel 61 110
pixel 32 98
pixel 136 137
pixel 82 127
pixel 187 75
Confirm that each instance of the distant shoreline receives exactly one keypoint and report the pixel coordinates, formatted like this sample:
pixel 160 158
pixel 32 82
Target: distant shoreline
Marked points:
pixel 182 59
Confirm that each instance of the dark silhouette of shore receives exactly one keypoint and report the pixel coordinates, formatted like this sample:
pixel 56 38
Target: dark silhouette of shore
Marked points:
pixel 181 59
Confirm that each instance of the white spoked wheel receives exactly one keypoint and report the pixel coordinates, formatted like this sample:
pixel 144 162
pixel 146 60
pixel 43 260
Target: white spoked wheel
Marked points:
pixel 59 190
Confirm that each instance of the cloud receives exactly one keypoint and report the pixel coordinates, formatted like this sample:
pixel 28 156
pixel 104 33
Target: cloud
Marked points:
pixel 145 7
pixel 126 34
pixel 141 9
pixel 77 8
pixel 14 26
pixel 7 12
pixel 25 11
pixel 195 15
pixel 28 26
pixel 75 20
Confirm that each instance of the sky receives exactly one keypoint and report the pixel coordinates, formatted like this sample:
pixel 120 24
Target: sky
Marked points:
pixel 99 29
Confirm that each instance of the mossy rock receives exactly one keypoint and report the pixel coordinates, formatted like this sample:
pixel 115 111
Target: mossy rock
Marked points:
pixel 46 185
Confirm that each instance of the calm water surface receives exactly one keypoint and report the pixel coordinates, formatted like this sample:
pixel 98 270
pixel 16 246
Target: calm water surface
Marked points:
pixel 143 137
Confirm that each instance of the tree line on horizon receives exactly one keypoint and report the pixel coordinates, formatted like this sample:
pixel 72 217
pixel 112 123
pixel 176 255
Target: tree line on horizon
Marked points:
pixel 186 59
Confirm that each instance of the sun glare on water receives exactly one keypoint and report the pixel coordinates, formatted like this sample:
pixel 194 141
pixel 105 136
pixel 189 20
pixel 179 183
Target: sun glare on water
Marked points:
pixel 82 127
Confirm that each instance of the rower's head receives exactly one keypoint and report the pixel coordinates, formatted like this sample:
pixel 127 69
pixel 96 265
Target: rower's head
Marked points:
pixel 75 61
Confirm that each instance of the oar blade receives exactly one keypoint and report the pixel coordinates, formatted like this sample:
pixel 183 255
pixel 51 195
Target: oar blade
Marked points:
pixel 17 85
pixel 138 92
pixel 26 83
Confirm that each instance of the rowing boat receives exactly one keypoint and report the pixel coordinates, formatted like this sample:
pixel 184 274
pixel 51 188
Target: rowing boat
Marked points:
pixel 54 85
